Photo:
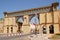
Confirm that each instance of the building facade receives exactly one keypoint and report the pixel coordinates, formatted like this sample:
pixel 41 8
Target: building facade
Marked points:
pixel 49 20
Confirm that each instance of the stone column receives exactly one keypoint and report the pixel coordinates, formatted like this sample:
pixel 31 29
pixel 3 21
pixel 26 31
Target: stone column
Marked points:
pixel 39 25
pixel 26 20
pixel 56 22
pixel 25 26
pixel 42 21
pixel 9 29
pixel 5 29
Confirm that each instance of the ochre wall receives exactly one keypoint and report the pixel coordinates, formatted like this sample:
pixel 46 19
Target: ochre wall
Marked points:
pixel 45 19
pixel 25 26
pixel 10 22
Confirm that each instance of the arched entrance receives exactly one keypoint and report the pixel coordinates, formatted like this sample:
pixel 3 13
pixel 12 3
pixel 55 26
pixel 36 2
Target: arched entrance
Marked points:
pixel 19 27
pixel 7 29
pixel 51 29
pixel 19 23
pixel 44 29
pixel 11 29
pixel 34 21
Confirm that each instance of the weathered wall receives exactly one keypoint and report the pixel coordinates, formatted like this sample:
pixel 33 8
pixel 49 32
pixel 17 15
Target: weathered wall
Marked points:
pixel 10 22
pixel 47 20
pixel 25 26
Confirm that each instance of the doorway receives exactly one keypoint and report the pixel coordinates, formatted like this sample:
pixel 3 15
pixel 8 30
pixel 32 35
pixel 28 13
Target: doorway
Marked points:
pixel 19 27
pixel 51 29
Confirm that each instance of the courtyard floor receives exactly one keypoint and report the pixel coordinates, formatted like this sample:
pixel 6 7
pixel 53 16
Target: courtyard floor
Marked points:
pixel 25 37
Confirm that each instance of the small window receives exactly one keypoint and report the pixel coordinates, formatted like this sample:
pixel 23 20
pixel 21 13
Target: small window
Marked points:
pixel 11 29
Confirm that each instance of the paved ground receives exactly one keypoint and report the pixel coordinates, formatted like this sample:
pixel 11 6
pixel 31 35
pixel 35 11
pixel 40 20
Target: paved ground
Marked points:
pixel 24 37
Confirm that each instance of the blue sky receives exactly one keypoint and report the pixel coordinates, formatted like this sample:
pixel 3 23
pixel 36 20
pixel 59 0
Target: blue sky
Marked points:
pixel 17 5
pixel 33 20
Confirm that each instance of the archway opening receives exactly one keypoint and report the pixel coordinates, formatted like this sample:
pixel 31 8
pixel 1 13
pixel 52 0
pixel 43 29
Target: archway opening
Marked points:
pixel 51 29
pixel 7 29
pixel 20 23
pixel 11 29
pixel 44 29
pixel 34 22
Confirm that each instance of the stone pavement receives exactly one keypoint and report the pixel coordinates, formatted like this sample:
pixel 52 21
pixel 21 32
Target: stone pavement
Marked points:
pixel 26 37
pixel 39 37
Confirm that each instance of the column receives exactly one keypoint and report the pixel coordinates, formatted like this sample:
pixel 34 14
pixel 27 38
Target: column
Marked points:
pixel 42 21
pixel 26 19
pixel 25 26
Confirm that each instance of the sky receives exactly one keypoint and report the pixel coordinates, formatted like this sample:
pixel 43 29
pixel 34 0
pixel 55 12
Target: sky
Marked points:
pixel 17 5
pixel 34 20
